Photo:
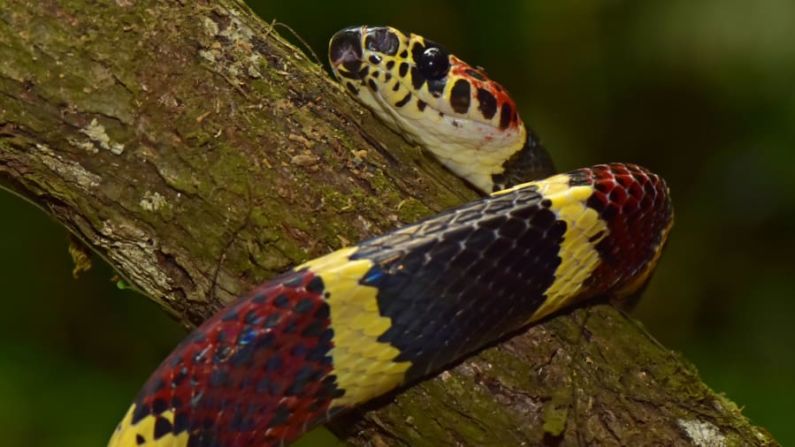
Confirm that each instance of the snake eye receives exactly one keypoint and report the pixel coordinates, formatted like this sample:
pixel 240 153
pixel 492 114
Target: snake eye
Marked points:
pixel 433 63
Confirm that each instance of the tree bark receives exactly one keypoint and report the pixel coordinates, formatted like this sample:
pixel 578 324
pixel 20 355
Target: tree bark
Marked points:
pixel 199 153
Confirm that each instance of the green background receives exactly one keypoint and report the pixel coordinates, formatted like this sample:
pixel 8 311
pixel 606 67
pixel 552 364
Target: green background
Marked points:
pixel 700 91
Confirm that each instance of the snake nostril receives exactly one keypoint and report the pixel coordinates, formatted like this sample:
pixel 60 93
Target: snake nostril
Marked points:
pixel 345 48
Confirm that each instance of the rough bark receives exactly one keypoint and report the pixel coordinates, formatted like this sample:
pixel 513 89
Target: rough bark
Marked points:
pixel 199 153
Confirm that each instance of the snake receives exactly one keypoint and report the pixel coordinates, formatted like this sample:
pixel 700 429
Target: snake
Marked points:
pixel 355 324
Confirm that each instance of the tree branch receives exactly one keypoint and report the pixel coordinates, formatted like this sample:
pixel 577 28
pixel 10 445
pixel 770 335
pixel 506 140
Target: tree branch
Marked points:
pixel 199 153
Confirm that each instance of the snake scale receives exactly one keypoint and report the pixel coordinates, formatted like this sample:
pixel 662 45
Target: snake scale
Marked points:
pixel 344 328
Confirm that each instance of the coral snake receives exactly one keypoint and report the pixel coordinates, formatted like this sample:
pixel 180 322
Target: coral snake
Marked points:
pixel 344 328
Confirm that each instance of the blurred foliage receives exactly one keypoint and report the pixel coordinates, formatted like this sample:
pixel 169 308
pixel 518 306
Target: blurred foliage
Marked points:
pixel 702 92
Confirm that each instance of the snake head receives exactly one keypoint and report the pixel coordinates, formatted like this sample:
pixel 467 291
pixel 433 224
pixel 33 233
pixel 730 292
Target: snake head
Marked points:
pixel 416 86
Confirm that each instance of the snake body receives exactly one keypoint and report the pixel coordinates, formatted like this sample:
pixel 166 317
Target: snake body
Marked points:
pixel 344 328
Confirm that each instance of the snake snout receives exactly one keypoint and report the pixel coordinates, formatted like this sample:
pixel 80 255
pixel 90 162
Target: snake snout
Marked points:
pixel 345 49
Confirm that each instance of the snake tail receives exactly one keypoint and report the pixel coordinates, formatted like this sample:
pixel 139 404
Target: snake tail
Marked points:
pixel 344 328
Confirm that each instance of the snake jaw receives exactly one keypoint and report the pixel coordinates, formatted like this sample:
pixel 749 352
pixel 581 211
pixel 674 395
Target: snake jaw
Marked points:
pixel 468 121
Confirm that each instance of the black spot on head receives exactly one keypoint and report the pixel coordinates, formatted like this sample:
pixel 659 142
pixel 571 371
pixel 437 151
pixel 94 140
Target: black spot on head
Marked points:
pixel 421 105
pixel 416 78
pixel 387 77
pixel 404 101
pixel 346 74
pixel 390 65
pixel 404 54
pixel 436 87
pixel 487 103
pixel 352 88
pixel 382 40
pixel 140 440
pixel 505 115
pixel 403 69
pixel 460 96
pixel 372 85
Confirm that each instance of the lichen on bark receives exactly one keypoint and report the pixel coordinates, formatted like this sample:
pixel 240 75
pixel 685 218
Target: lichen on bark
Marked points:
pixel 199 153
